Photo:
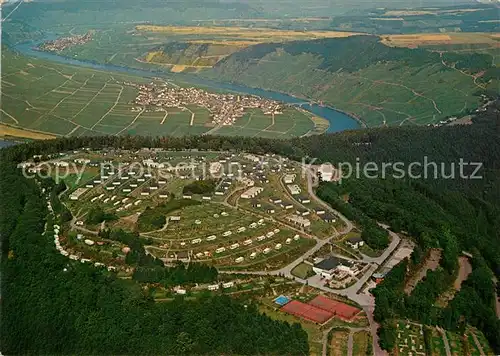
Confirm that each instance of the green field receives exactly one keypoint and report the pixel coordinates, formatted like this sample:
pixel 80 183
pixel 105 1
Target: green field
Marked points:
pixel 383 86
pixel 63 100
pixel 303 271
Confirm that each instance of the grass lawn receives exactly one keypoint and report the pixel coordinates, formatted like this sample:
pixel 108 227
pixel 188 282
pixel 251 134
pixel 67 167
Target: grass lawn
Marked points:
pixel 368 251
pixel 338 339
pixel 74 180
pixel 362 341
pixel 303 271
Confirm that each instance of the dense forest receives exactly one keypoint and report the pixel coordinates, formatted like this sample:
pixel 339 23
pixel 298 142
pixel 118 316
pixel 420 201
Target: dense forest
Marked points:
pixel 99 313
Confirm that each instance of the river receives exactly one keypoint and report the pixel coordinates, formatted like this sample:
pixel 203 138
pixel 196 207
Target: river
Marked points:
pixel 4 143
pixel 339 121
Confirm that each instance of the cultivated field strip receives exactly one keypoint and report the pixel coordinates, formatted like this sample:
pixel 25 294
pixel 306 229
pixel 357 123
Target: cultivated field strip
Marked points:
pixel 71 101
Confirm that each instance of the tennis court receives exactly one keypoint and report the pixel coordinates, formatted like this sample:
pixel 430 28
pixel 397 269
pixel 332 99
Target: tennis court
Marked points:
pixel 307 311
pixel 339 309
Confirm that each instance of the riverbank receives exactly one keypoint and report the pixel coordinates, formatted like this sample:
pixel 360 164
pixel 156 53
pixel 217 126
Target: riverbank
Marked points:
pixel 11 133
pixel 338 120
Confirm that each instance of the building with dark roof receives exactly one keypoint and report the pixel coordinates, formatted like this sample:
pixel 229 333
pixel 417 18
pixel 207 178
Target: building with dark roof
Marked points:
pixel 355 242
pixel 329 218
pixel 329 266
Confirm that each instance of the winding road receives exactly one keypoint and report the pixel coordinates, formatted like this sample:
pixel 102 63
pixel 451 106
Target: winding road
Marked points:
pixel 366 301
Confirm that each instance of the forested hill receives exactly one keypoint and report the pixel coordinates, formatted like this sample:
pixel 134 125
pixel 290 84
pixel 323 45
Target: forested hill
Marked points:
pixel 48 310
pixel 52 306
pixel 354 53
pixel 361 75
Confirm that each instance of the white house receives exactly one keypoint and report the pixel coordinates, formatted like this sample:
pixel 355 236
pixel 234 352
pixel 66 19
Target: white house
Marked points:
pixel 289 178
pixel 294 189
pixel 252 193
pixel 355 242
pixel 328 173
pixel 328 267
pixel 299 220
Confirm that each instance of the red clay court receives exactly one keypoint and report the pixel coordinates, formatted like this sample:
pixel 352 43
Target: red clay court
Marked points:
pixel 339 309
pixel 307 311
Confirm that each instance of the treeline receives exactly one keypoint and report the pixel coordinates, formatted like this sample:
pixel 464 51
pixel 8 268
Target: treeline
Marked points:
pixel 472 305
pixel 179 274
pixel 151 219
pixel 51 305
pixel 338 53
pixel 375 236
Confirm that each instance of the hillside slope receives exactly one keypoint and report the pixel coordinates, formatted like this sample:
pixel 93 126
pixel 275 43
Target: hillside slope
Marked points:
pixel 360 75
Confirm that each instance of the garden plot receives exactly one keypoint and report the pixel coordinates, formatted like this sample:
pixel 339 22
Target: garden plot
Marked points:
pixel 410 338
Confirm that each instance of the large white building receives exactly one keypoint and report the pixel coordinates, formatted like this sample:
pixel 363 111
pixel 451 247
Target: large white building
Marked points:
pixel 252 193
pixel 328 267
pixel 289 178
pixel 77 193
pixel 328 173
pixel 294 189
pixel 299 220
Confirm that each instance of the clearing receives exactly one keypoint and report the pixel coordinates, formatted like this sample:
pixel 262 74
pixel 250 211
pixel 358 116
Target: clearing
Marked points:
pixel 465 269
pixel 431 263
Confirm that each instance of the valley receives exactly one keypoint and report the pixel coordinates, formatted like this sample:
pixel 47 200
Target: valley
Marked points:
pixel 236 177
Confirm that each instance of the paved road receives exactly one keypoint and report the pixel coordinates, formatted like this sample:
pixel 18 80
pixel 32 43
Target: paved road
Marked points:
pixel 388 252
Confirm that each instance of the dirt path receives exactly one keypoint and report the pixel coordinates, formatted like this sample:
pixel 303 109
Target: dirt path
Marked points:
pixel 131 124
pixel 164 118
pixel 10 116
pixel 325 342
pixel 350 343
pixel 431 263
pixel 111 109
pixel 465 269
pixel 413 91
pixel 474 77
